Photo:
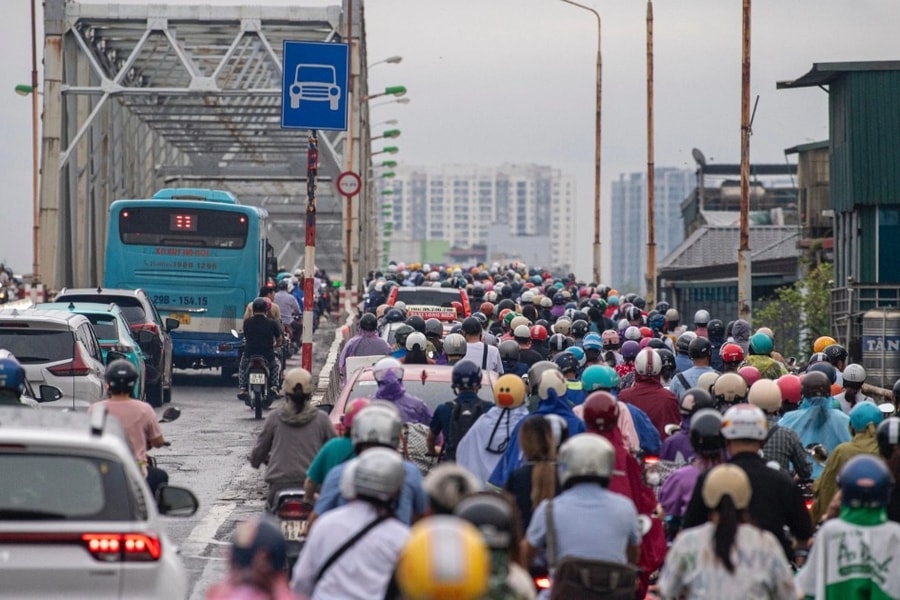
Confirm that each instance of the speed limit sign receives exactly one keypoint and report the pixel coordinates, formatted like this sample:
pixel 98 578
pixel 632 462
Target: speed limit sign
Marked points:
pixel 348 183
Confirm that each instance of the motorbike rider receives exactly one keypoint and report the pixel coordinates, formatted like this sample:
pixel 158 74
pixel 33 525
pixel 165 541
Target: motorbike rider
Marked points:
pixel 716 335
pixel 479 352
pixel 454 348
pixel 782 445
pixel 261 335
pixel 679 446
pixel 648 394
pixel 267 292
pixel 365 343
pixel 388 373
pixel 452 420
pixel 854 376
pixel 290 310
pixel 888 435
pixel 335 451
pixel 136 418
pixel 12 382
pixel 700 352
pixel 760 356
pixel 682 345
pixel 740 334
pixel 291 437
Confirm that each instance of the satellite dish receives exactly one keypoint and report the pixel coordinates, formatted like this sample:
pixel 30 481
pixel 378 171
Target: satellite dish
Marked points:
pixel 698 156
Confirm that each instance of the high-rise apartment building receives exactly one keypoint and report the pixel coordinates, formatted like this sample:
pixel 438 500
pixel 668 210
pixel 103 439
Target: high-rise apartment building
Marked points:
pixel 459 203
pixel 629 222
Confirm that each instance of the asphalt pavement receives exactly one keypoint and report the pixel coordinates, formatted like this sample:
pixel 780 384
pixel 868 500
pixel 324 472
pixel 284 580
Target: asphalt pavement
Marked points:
pixel 210 445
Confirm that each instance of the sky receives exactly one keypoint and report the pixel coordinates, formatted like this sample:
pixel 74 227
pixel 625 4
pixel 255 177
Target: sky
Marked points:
pixel 495 81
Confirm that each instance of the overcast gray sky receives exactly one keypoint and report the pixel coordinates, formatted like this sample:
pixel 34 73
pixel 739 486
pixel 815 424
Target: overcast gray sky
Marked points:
pixel 493 81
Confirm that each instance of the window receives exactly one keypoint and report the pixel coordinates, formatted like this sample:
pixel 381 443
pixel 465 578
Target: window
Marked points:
pixel 105 327
pixel 34 346
pixel 174 226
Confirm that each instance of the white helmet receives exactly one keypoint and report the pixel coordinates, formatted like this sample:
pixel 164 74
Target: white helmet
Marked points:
pixel 385 365
pixel 551 379
pixel 648 362
pixel 563 326
pixel 400 304
pixel 412 341
pixel 633 333
pixel 701 317
pixel 854 373
pixel 730 388
pixel 377 474
pixel 765 394
pixel 455 344
pixel 527 297
pixel 378 423
pixel 585 455
pixel 742 422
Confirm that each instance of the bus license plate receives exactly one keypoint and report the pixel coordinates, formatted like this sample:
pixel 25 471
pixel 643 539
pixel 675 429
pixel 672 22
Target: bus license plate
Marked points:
pixel 183 318
pixel 294 530
pixel 257 379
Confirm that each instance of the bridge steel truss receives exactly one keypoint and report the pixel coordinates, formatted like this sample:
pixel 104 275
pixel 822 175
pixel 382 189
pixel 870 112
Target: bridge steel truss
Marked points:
pixel 140 97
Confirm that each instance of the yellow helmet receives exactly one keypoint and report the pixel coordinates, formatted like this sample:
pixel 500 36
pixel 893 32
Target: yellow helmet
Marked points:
pixel 445 558
pixel 509 391
pixel 823 342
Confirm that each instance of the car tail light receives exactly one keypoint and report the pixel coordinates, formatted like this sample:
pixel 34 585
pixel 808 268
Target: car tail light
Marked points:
pixel 117 547
pixel 467 309
pixel 293 509
pixel 542 583
pixel 151 327
pixel 117 348
pixel 392 297
pixel 77 367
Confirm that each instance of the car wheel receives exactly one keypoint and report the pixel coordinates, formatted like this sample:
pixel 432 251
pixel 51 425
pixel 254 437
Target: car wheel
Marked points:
pixel 167 395
pixel 155 395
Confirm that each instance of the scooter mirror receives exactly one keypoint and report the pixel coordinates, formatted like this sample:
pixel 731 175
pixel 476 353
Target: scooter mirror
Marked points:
pixel 170 414
pixel 235 334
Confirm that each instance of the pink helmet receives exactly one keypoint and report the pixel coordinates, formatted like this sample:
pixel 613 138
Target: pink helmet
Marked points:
pixel 351 410
pixel 750 374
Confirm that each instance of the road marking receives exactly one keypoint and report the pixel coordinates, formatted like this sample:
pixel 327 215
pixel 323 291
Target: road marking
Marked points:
pixel 205 531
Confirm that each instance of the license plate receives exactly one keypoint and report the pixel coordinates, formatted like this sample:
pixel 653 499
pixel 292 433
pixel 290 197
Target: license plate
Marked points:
pixel 294 531
pixel 183 318
pixel 257 379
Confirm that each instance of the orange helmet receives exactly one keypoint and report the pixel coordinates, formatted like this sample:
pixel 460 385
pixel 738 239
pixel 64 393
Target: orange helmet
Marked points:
pixel 823 342
pixel 487 308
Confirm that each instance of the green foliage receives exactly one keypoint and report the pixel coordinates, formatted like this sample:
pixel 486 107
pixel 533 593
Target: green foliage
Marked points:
pixel 802 307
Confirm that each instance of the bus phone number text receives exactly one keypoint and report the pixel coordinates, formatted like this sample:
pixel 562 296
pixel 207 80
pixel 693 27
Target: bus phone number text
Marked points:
pixel 165 300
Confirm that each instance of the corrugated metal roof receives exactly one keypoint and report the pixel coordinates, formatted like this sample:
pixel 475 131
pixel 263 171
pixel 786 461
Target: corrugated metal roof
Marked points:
pixel 825 73
pixel 715 246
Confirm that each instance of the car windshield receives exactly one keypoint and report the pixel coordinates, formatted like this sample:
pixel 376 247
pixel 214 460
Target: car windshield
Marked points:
pixel 314 74
pixel 131 307
pixel 105 327
pixel 31 346
pixel 434 297
pixel 52 486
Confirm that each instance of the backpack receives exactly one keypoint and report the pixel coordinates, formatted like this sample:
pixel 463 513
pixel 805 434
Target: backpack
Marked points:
pixel 462 417
pixel 414 446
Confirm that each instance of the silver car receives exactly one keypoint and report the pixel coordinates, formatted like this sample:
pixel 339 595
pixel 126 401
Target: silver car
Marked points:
pixel 77 519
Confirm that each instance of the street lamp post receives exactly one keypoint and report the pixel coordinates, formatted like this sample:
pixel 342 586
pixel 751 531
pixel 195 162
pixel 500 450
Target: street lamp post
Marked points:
pixel 389 134
pixel 25 90
pixel 394 101
pixel 392 60
pixel 597 138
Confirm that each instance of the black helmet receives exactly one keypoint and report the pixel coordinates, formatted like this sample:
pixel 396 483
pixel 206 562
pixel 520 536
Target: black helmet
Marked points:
pixel 433 328
pixel 121 375
pixel 888 435
pixel 694 400
pixel 466 375
pixel 417 323
pixel 492 515
pixel 634 314
pixel 896 389
pixel 657 344
pixel 566 361
pixel 471 326
pixel 716 329
pixel 505 303
pixel 482 318
pixel 282 284
pixel 580 328
pixel 368 322
pixel 260 305
pixel 699 348
pixel 394 315
pixel 683 343
pixel 262 533
pixel 706 432
pixel 509 350
pixel 835 353
pixel 815 384
pixel 639 302
pixel 662 307
pixel 560 342
pixel 824 367
pixel 668 361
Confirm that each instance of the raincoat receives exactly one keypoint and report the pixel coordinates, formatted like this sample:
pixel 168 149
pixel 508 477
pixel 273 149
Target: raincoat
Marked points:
pixel 412 409
pixel 480 449
pixel 817 423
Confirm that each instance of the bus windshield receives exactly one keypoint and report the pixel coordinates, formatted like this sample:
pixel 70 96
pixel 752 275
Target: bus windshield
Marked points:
pixel 175 226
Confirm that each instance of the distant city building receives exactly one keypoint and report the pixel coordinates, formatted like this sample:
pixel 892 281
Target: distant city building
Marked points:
pixel 629 222
pixel 475 208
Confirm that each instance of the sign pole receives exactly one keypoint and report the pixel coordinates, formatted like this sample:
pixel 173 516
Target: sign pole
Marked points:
pixel 312 167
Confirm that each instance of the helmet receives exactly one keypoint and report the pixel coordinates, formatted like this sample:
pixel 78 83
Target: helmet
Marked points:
pixel 487 308
pixel 377 474
pixel 672 315
pixel 580 328
pixel 509 350
pixel 730 388
pixel 630 350
pixel 492 515
pixel 522 332
pixel 854 374
pixel 417 323
pixel 610 338
pixel 865 482
pixel 744 422
pixel 765 394
pixel 816 357
pixel 823 342
pixel 401 333
pixel 546 302
pixel 466 375
pixel 700 348
pixel 656 343
pixel 120 375
pixel 368 322
pixel 750 374
pixel 416 341
pixel 646 332
pixel 599 377
pixel 727 480
pixel 633 313
pixel 455 345
pixel 260 305
pixel 559 342
pixel 550 379
pixel 592 341
pixel 433 327
pixel 585 455
pixel 683 343
pixel 482 318
pixel 445 558
pixel 639 302
pixel 509 391
pixel 648 362
pixel 760 343
pixel 393 315
pixel 706 432
pixel 351 409
pixel 656 322
pixel 633 333
pixel 707 380
pixel 826 368
pixel 534 373
pixel 662 306
pixel 563 326
pixel 386 365
pixel 519 321
pixel 12 375
pixel 835 353
pixel 864 414
pixel 567 362
pixel 716 329
pixel 378 423
pixel 538 333
pixel 471 326
pixel 731 353
pixel 790 388
pixel 447 484
pixel 888 435
pixel 297 382
pixel 579 354
pixel 601 411
pixel 261 533
pixel 527 298
pixel 694 400
pixel 815 384
pixel 668 361
pixel 701 317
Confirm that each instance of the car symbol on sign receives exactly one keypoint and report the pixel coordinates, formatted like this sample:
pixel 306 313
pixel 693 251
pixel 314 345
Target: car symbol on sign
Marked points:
pixel 316 83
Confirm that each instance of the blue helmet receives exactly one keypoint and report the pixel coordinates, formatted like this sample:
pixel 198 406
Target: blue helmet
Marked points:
pixel 466 376
pixel 567 362
pixel 12 375
pixel 394 315
pixel 592 341
pixel 865 482
pixel 863 414
pixel 579 354
pixel 599 377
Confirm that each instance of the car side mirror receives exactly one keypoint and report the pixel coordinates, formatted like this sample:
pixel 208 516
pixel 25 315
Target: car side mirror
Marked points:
pixel 113 355
pixel 172 323
pixel 145 337
pixel 176 501
pixel 49 393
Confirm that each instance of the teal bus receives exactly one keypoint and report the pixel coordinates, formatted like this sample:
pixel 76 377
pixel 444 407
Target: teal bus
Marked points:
pixel 201 256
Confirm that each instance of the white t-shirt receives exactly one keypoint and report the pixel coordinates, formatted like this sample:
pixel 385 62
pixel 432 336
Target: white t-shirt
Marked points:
pixel 475 353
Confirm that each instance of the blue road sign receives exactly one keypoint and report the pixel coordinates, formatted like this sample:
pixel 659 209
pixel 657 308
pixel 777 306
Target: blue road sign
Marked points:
pixel 314 86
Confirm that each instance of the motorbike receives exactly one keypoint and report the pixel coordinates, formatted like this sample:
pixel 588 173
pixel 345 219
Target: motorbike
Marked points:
pixel 292 511
pixel 157 476
pixel 261 395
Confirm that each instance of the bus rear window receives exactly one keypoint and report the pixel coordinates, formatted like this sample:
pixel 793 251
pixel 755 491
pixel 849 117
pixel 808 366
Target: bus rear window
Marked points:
pixel 174 226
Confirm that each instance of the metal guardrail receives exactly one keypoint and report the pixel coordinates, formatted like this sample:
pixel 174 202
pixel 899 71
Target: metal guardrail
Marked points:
pixel 328 385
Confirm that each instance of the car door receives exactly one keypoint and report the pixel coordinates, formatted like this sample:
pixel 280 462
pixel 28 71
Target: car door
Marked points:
pixel 85 334
pixel 166 345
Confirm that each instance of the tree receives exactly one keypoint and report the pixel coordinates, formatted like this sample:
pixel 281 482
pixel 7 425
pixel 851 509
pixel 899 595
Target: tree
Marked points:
pixel 801 311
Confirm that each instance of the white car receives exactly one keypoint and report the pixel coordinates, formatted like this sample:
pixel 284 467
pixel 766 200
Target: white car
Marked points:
pixel 77 519
pixel 58 348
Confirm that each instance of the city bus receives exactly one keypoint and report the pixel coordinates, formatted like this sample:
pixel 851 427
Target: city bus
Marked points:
pixel 201 256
